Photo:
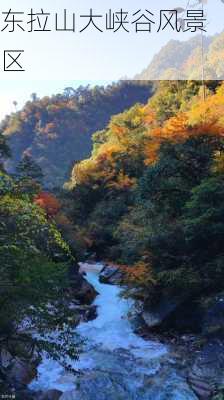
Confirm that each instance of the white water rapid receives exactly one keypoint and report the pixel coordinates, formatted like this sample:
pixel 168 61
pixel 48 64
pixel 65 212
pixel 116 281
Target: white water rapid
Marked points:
pixel 116 364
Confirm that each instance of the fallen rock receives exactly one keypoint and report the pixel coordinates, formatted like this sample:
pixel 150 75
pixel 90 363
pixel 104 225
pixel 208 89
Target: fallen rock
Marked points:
pixel 84 312
pixel 111 274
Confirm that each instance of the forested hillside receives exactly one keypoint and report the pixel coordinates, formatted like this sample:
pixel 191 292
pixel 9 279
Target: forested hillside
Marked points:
pixel 150 198
pixel 148 202
pixel 56 131
pixel 182 60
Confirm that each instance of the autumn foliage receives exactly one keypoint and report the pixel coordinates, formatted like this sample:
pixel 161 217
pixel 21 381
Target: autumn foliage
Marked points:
pixel 154 185
pixel 49 203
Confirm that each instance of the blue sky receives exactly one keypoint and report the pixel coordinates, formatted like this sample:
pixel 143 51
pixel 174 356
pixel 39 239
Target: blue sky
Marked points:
pixel 57 60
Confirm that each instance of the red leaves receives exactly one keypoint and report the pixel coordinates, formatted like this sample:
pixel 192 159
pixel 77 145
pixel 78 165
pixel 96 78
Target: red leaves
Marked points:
pixel 49 203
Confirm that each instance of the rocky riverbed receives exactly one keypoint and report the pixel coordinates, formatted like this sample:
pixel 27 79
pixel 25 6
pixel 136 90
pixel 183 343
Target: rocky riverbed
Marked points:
pixel 122 357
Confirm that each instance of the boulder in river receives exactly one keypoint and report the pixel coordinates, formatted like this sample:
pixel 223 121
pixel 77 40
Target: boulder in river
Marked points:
pixel 82 290
pixel 111 274
pixel 157 315
pixel 18 362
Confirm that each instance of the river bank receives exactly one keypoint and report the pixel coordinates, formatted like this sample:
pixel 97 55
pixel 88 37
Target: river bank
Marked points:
pixel 120 362
pixel 115 362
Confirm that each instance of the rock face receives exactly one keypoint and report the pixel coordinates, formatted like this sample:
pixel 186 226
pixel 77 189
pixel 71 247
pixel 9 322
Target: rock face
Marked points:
pixel 18 364
pixel 21 373
pixel 50 395
pixel 204 316
pixel 207 373
pixel 111 274
pixel 83 313
pixel 86 294
pixel 213 315
pixel 157 315
pixel 81 290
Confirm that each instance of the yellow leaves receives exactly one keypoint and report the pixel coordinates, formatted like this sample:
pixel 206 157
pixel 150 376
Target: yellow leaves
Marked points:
pixel 210 110
pixel 118 130
pixel 218 165
pixel 203 118
pixel 151 151
pixel 175 127
pixel 82 171
pixel 149 116
pixel 108 150
pixel 208 116
pixel 139 134
pixel 122 181
pixel 140 274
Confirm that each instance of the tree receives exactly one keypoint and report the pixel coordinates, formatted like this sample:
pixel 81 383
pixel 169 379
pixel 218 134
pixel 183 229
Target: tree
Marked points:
pixel 4 151
pixel 28 168
pixel 15 103
pixel 69 92
pixel 49 203
pixel 34 97
pixel 34 266
pixel 29 177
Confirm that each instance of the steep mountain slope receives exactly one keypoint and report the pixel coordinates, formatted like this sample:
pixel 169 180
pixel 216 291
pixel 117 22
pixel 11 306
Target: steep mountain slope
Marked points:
pixel 183 60
pixel 56 131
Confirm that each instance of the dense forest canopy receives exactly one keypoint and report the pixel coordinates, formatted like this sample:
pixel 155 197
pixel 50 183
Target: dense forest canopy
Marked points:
pixel 150 197
pixel 56 131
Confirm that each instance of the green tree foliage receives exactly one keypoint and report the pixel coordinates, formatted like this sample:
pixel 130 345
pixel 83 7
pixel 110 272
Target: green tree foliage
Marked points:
pixel 4 150
pixel 28 169
pixel 34 269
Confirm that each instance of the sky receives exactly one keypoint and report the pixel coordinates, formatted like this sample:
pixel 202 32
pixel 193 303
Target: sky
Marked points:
pixel 55 60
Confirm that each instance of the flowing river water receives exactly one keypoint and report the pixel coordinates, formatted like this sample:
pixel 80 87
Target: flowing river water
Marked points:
pixel 115 363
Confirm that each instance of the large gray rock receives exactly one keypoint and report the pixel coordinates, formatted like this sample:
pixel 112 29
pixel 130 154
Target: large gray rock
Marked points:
pixel 52 394
pixel 111 274
pixel 21 373
pixel 84 312
pixel 156 315
pixel 82 290
pixel 209 364
pixel 207 373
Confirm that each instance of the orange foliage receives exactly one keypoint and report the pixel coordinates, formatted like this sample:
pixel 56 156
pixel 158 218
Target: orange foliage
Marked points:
pixel 138 274
pixel 204 118
pixel 48 202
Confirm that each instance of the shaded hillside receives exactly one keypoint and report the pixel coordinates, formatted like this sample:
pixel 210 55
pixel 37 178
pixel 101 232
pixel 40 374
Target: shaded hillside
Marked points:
pixel 56 131
pixel 183 60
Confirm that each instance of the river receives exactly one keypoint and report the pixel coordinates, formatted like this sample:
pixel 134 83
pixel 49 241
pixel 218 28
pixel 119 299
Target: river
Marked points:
pixel 116 364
